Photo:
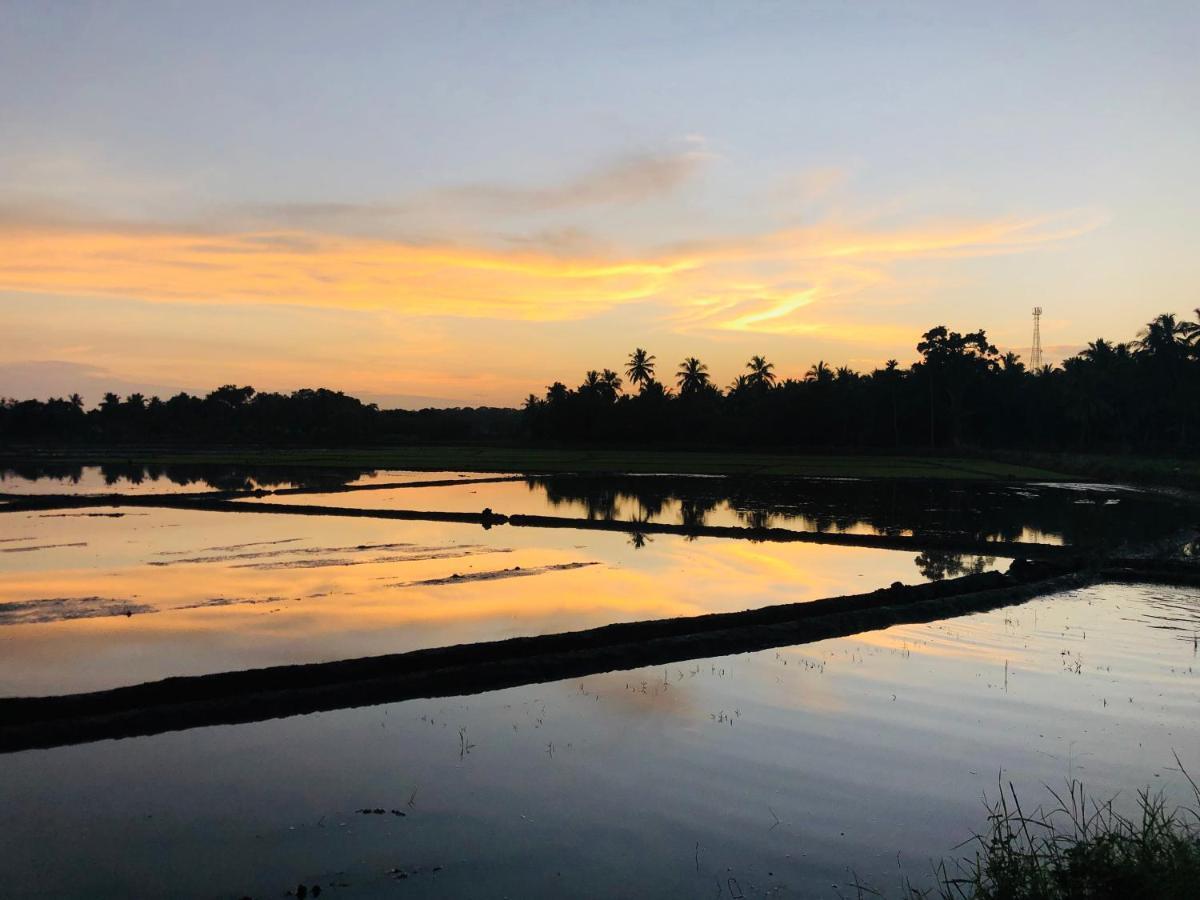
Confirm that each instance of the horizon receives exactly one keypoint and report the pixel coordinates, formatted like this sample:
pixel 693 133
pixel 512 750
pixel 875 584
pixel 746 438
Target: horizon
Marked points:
pixel 459 206
pixel 625 385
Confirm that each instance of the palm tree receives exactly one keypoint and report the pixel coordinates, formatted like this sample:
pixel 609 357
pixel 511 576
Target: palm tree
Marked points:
pixel 1163 336
pixel 819 372
pixel 890 376
pixel 1097 350
pixel 1011 362
pixel 1191 331
pixel 692 375
pixel 610 383
pixel 604 385
pixel 760 372
pixel 640 367
pixel 1165 345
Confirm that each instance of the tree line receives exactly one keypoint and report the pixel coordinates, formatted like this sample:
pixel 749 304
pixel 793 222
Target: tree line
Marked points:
pixel 1138 395
pixel 240 415
pixel 1142 394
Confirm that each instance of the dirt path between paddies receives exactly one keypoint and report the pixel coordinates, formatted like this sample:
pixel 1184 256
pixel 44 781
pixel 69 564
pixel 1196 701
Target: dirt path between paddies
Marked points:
pixel 259 694
pixel 232 502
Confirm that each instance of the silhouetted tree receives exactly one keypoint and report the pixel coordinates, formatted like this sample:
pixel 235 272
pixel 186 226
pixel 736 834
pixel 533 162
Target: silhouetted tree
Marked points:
pixel 639 368
pixel 819 372
pixel 692 376
pixel 761 372
pixel 1123 396
pixel 953 364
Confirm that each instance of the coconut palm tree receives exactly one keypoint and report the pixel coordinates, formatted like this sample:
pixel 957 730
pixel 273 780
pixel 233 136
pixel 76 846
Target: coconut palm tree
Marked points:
pixel 606 385
pixel 1011 362
pixel 1191 331
pixel 640 367
pixel 692 375
pixel 610 382
pixel 819 372
pixel 760 372
pixel 1163 336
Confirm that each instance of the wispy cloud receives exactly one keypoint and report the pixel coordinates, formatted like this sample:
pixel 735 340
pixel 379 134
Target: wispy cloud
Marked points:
pixel 766 284
pixel 631 179
pixel 763 283
pixel 628 180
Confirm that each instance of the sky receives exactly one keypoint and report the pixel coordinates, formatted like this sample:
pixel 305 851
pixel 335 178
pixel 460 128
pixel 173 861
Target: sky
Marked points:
pixel 460 203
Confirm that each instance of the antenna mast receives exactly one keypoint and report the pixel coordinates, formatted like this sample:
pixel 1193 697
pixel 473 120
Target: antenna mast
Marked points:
pixel 1035 357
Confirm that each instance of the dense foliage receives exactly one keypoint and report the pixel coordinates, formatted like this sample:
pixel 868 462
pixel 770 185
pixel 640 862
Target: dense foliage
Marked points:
pixel 1126 396
pixel 240 415
pixel 1135 396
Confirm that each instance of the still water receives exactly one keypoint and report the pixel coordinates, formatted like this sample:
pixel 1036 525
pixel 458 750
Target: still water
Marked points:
pixel 779 773
pixel 784 772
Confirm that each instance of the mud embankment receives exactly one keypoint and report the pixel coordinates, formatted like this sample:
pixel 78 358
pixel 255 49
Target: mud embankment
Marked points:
pixel 910 543
pixel 255 695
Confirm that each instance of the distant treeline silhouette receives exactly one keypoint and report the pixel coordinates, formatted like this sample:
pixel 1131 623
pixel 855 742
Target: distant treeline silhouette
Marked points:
pixel 1138 395
pixel 1142 394
pixel 241 415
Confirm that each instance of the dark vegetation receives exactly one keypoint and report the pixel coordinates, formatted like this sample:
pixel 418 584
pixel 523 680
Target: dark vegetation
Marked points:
pixel 1139 396
pixel 240 415
pixel 1081 850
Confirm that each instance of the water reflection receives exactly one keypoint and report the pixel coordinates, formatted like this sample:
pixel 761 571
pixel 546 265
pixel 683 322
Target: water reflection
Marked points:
pixel 105 596
pixel 1048 513
pixel 1053 514
pixel 776 771
pixel 212 591
pixel 139 478
pixel 1044 513
pixel 937 565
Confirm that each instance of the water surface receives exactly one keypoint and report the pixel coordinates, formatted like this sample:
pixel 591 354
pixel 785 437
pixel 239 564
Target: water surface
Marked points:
pixel 781 773
pixel 108 596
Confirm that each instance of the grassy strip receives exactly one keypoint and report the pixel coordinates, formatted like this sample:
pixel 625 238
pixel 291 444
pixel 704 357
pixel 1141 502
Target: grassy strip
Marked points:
pixel 542 460
pixel 1157 470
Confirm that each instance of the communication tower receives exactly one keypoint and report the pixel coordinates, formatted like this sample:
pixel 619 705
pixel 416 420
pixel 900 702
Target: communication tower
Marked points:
pixel 1035 357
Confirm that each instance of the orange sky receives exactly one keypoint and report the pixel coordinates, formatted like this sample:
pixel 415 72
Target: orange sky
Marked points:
pixel 422 207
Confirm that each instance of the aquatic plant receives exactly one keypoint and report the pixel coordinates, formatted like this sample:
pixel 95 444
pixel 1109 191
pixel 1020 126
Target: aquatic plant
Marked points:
pixel 1080 848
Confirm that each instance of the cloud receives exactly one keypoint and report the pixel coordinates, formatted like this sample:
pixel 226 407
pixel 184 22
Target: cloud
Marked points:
pixel 628 180
pixel 764 283
pixel 631 179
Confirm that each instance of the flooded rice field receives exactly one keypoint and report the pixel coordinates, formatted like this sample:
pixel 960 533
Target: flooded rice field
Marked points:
pixel 784 772
pixel 116 596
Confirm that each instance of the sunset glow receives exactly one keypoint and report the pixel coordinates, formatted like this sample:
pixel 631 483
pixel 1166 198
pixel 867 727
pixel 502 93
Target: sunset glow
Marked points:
pixel 541 217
